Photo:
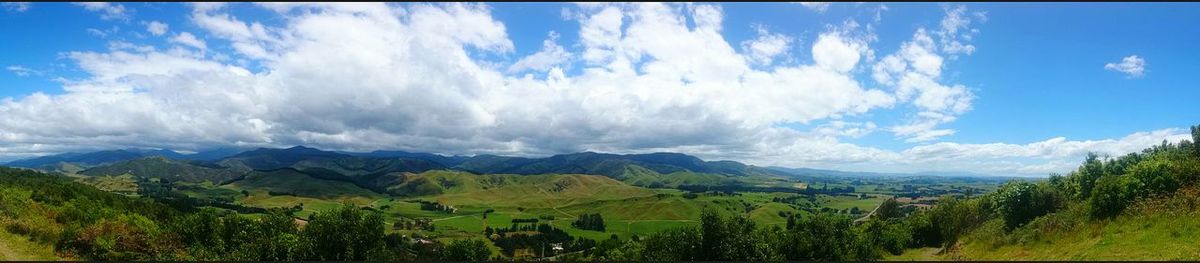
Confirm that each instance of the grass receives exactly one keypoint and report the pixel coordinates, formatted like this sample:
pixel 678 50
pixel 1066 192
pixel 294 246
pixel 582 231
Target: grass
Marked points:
pixel 846 202
pixel 1166 228
pixel 15 247
pixel 124 183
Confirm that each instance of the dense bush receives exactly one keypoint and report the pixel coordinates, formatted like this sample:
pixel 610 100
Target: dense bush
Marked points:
pixel 1018 202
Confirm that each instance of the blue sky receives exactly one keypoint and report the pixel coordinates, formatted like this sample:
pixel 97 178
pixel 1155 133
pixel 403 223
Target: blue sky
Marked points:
pixel 470 79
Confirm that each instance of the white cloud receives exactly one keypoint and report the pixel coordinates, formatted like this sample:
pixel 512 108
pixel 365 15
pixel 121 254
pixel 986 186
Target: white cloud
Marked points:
pixel 22 71
pixel 914 73
pixel 366 76
pixel 190 40
pixel 819 7
pixel 551 55
pixel 766 46
pixel 956 32
pixel 1133 66
pixel 834 52
pixel 17 6
pixel 108 11
pixel 156 28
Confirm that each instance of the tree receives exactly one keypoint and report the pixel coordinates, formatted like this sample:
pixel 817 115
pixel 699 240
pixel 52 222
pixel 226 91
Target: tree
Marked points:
pixel 822 237
pixel 1019 202
pixel 1113 193
pixel 679 244
pixel 1091 171
pixel 589 222
pixel 1196 140
pixel 344 233
pixel 889 209
pixel 466 250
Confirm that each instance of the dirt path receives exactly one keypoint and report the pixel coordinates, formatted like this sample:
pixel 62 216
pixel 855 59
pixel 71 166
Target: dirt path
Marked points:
pixel 868 216
pixel 448 218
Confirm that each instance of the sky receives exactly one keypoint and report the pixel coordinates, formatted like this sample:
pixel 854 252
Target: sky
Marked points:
pixel 994 88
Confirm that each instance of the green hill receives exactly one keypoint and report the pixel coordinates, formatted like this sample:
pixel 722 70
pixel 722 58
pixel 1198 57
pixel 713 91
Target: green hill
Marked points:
pixel 296 183
pixel 1164 228
pixel 163 168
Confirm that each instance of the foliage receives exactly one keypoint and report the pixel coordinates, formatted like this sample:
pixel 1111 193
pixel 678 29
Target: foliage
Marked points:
pixel 466 250
pixel 1019 202
pixel 589 222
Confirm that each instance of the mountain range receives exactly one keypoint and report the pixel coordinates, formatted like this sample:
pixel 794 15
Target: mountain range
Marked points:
pixel 380 169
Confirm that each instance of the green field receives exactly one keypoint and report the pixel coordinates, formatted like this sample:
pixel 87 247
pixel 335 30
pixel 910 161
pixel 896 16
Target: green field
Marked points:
pixel 627 210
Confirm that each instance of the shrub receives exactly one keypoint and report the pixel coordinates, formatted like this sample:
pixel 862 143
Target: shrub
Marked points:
pixel 1112 194
pixel 1155 176
pixel 1019 202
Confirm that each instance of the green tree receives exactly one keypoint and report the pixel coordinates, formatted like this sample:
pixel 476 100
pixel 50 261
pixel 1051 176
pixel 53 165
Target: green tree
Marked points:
pixel 466 250
pixel 889 209
pixel 1087 175
pixel 1113 194
pixel 1019 202
pixel 679 244
pixel 344 233
pixel 823 237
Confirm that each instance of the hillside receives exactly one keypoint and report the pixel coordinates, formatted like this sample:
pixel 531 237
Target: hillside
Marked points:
pixel 163 168
pixel 1162 228
pixel 1138 206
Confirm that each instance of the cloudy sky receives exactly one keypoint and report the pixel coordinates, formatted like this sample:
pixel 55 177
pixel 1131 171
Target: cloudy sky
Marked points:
pixel 1014 89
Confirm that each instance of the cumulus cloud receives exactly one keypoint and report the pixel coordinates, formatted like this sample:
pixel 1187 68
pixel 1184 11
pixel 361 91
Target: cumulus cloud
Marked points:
pixel 914 73
pixel 156 28
pixel 367 76
pixel 108 11
pixel 551 55
pixel 1133 66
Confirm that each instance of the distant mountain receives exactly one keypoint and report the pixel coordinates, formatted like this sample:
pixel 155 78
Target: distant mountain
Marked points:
pixel 212 155
pixel 271 158
pixel 57 162
pixel 374 173
pixel 490 164
pixel 164 168
pixel 53 162
pixel 819 173
pixel 447 161
pixel 611 165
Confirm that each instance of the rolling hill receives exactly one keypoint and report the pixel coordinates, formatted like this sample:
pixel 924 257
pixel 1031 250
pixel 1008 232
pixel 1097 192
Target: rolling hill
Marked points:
pixel 161 167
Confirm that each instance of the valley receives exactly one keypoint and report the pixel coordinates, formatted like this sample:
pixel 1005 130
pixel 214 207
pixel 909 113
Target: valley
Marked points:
pixel 465 198
pixel 590 206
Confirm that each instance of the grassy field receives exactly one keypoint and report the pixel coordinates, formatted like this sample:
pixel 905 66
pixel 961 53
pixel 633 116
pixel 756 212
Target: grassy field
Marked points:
pixel 627 210
pixel 846 202
pixel 15 247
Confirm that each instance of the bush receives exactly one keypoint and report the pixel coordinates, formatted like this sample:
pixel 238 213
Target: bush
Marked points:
pixel 1155 176
pixel 1112 195
pixel 1019 202
pixel 466 250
